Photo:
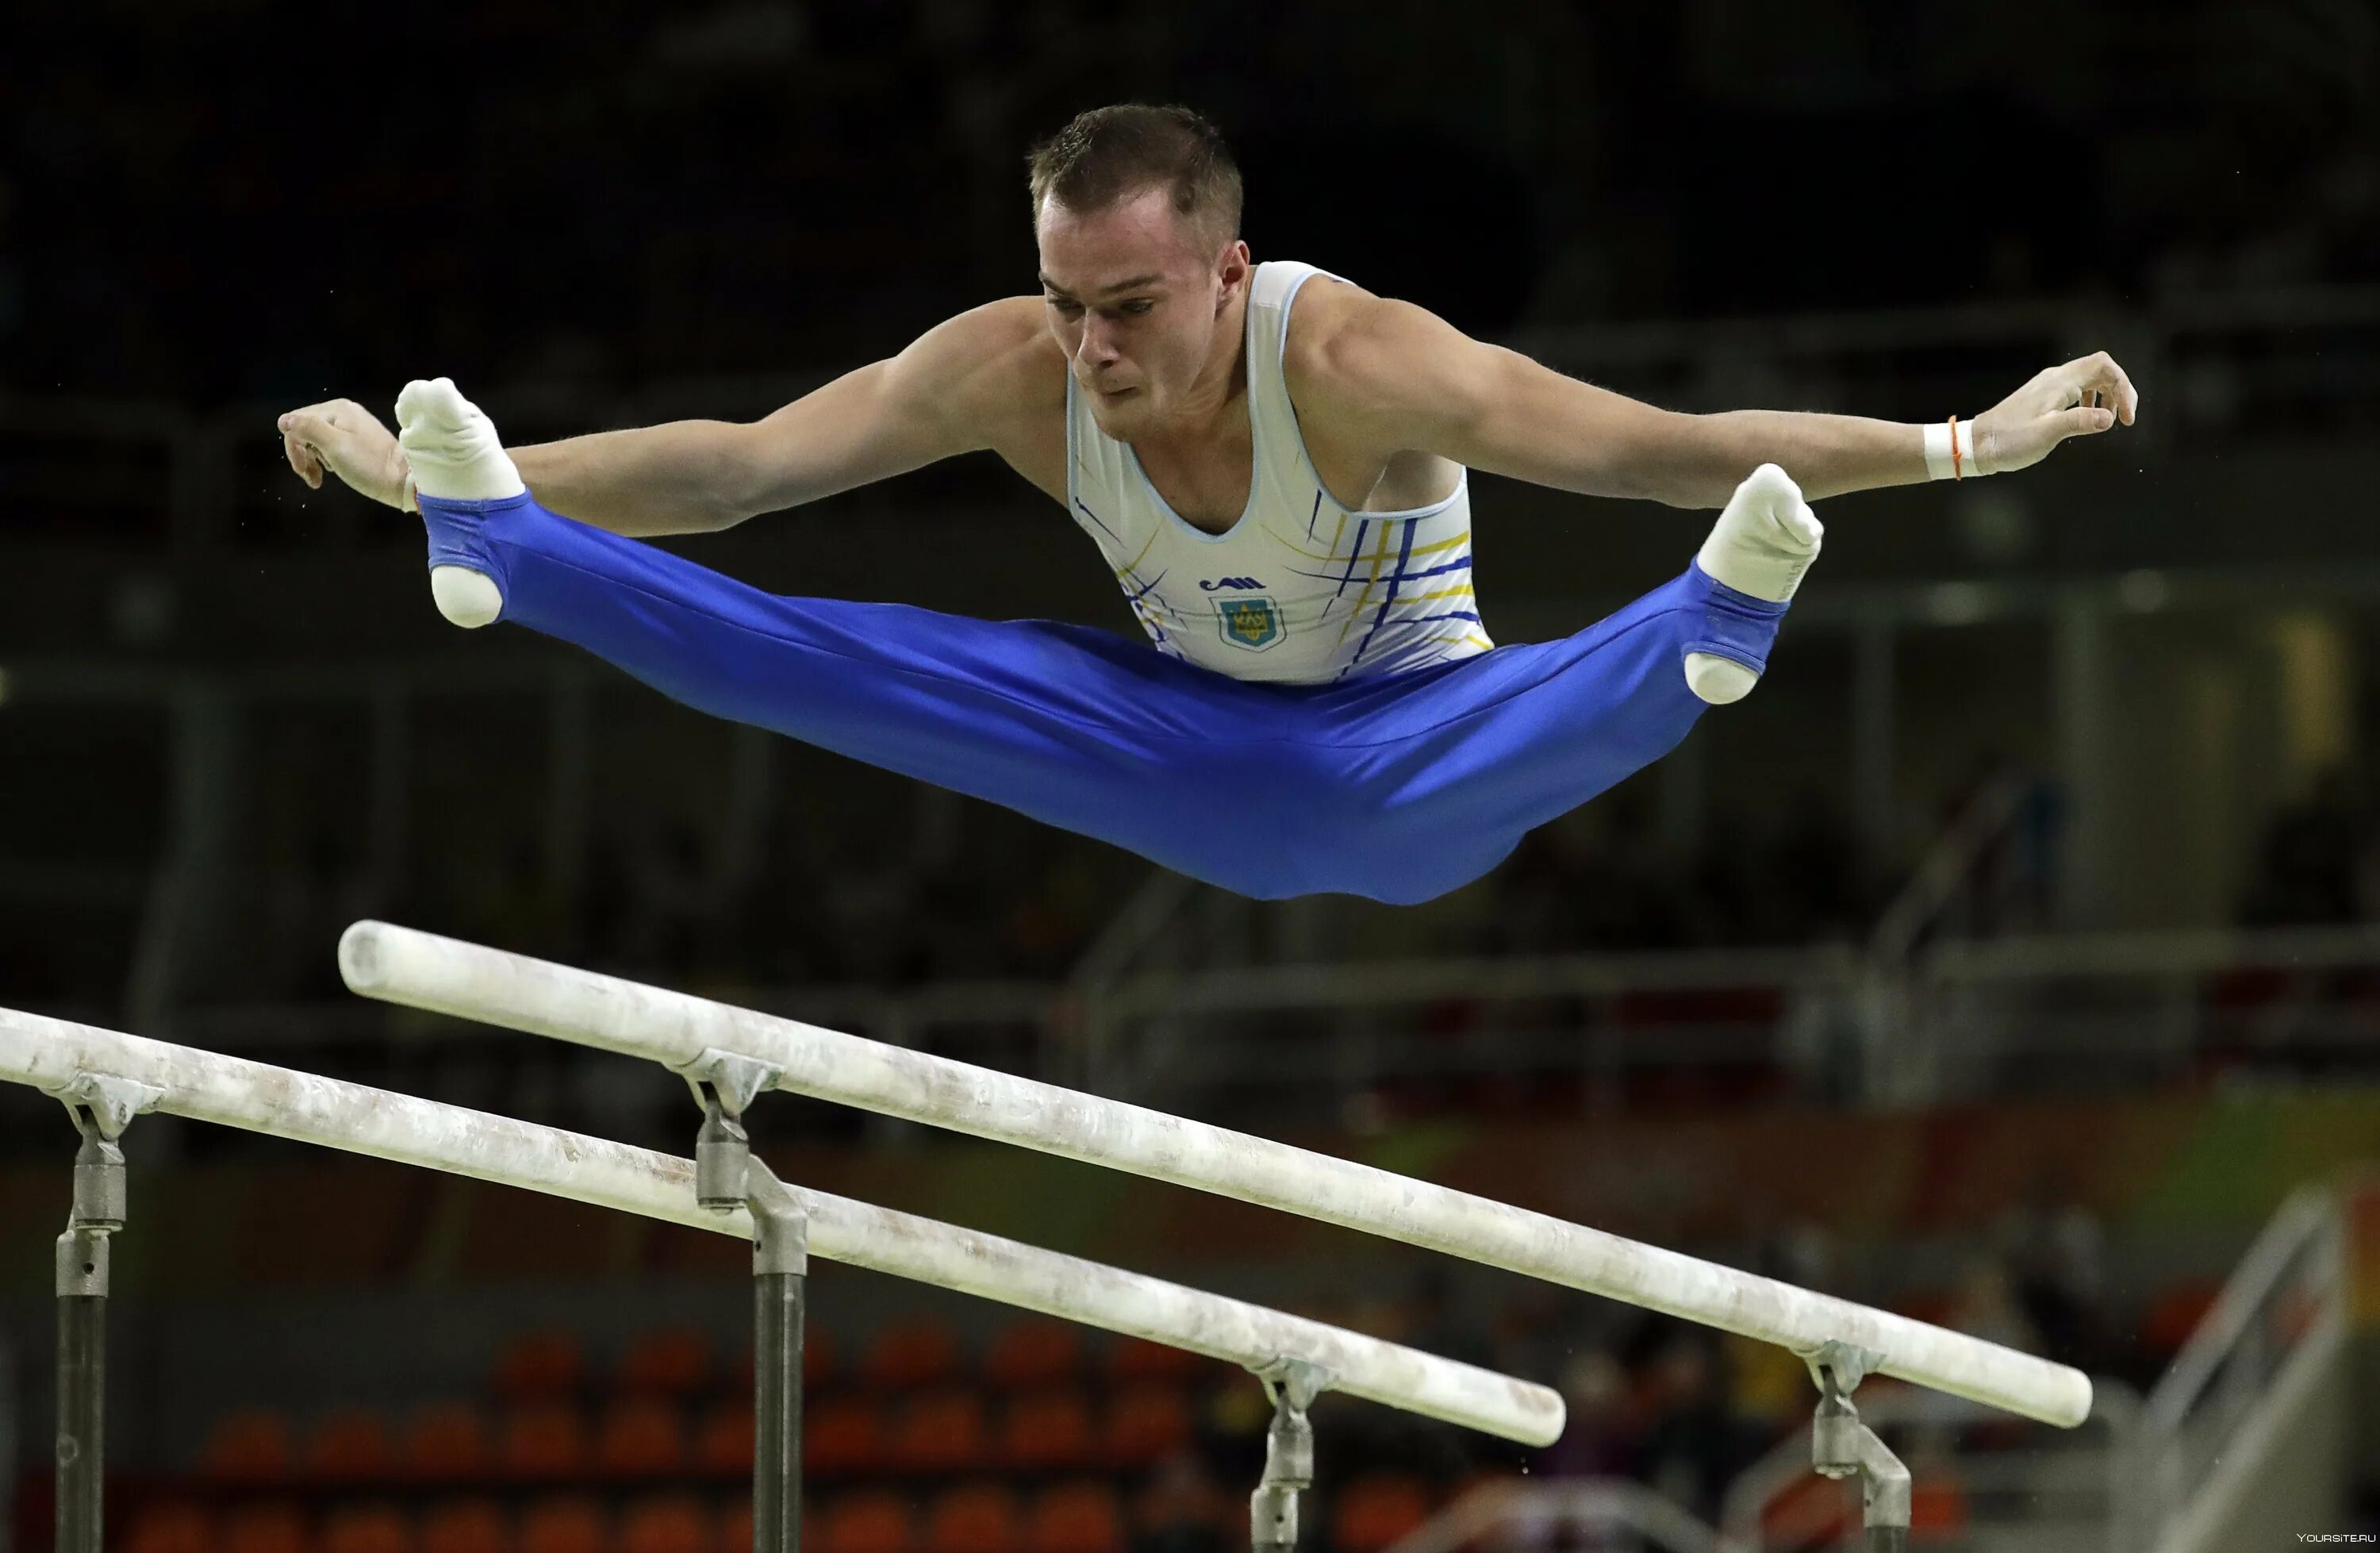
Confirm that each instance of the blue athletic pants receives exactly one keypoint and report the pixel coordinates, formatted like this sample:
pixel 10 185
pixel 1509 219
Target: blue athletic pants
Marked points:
pixel 1398 787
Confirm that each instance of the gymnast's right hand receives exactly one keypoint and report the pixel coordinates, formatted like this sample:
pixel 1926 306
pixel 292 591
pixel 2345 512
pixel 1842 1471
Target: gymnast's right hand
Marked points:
pixel 344 438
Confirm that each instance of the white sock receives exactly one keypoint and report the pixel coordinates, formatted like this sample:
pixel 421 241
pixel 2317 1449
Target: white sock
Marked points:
pixel 451 445
pixel 1762 544
pixel 454 454
pixel 1765 539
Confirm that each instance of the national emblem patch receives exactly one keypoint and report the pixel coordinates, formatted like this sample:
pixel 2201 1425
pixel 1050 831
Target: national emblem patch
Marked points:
pixel 1252 623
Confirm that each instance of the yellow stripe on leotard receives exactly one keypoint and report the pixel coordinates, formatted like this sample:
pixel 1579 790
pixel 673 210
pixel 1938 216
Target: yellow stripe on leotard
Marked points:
pixel 1332 554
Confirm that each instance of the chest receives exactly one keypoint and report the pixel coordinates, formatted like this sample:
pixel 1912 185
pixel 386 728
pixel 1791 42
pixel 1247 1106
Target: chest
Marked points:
pixel 1208 485
pixel 1211 485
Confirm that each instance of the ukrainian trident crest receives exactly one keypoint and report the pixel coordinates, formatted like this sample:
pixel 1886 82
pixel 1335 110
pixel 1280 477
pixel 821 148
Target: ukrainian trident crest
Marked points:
pixel 1252 623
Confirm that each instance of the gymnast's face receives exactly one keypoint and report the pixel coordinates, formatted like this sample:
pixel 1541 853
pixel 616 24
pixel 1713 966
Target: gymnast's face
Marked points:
pixel 1140 303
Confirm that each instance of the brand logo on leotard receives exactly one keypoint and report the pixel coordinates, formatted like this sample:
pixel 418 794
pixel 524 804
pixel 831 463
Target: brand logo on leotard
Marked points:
pixel 1254 624
pixel 1207 585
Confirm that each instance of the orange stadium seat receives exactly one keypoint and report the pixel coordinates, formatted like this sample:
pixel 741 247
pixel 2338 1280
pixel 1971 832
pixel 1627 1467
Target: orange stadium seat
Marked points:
pixel 540 1367
pixel 870 1522
pixel 542 1440
pixel 1937 1510
pixel 642 1437
pixel 1179 1504
pixel 675 1361
pixel 1808 1512
pixel 248 1446
pixel 735 1526
pixel 1076 1518
pixel 466 1526
pixel 1131 1360
pixel 912 1353
pixel 667 1523
pixel 942 1432
pixel 350 1446
pixel 724 1444
pixel 1033 1354
pixel 844 1436
pixel 1047 1431
pixel 273 1526
pixel 974 1518
pixel 1145 1423
pixel 444 1442
pixel 565 1524
pixel 171 1526
pixel 1375 1511
pixel 366 1528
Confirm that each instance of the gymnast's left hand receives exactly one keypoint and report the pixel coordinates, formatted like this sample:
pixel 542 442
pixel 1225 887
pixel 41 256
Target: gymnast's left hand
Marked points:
pixel 344 438
pixel 2083 398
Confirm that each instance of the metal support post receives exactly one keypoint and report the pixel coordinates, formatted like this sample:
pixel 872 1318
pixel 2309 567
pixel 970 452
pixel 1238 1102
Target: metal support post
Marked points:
pixel 101 1108
pixel 1288 1454
pixel 1840 1445
pixel 726 1178
pixel 780 1254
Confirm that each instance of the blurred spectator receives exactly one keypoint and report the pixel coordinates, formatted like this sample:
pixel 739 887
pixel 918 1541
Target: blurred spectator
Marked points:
pixel 1986 1307
pixel 1602 1439
pixel 1693 1445
pixel 2055 1248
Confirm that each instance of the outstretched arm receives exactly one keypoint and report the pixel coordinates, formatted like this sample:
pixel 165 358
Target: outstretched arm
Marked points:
pixel 944 395
pixel 1403 379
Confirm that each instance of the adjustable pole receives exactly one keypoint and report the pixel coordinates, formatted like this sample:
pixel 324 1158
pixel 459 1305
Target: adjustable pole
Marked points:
pixel 101 1108
pixel 1840 1445
pixel 1289 1456
pixel 726 1177
pixel 780 1285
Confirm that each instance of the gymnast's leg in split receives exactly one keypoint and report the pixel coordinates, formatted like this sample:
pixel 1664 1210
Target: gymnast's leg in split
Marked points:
pixel 1399 788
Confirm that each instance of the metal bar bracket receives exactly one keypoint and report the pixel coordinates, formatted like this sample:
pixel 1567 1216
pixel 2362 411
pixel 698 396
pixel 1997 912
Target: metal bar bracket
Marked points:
pixel 1840 1445
pixel 723 1159
pixel 736 1080
pixel 104 1105
pixel 1292 1385
pixel 781 1241
pixel 724 1085
pixel 1849 1363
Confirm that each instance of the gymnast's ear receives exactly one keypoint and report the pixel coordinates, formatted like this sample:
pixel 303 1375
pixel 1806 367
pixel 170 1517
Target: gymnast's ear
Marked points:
pixel 1233 269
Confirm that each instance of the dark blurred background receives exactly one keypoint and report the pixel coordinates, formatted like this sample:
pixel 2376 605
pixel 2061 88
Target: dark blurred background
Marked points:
pixel 2010 957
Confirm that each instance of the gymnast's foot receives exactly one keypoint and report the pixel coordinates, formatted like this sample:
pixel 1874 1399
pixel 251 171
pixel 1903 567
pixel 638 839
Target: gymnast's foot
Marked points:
pixel 452 446
pixel 1762 544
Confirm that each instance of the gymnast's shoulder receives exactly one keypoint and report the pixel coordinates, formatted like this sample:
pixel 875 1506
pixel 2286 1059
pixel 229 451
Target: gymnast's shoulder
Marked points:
pixel 996 360
pixel 1361 360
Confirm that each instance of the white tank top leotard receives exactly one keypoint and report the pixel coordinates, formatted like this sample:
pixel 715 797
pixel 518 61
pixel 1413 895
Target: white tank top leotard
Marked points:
pixel 1300 591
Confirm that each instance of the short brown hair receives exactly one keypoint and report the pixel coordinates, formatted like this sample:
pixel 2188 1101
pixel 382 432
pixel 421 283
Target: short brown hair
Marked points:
pixel 1110 154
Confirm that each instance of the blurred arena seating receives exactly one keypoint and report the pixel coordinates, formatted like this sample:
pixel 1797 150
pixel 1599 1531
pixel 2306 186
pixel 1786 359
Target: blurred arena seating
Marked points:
pixel 652 1454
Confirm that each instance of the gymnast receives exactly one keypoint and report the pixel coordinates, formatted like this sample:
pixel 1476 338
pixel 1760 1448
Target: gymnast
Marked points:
pixel 1319 706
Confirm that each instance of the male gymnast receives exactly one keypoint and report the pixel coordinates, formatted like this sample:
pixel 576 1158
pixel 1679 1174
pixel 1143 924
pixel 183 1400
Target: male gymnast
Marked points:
pixel 1319 707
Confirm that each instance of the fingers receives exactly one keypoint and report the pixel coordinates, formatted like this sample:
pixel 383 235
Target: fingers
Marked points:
pixel 302 459
pixel 304 433
pixel 316 438
pixel 2083 420
pixel 2097 380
